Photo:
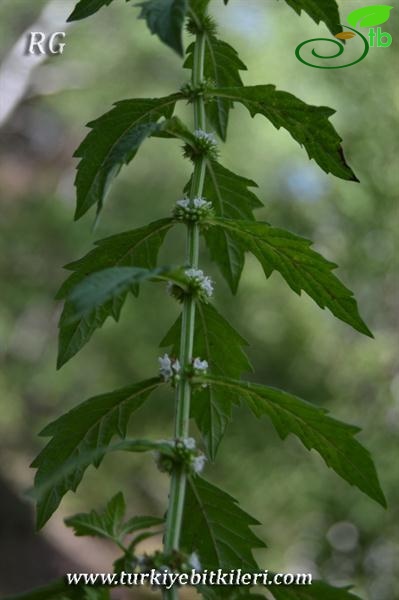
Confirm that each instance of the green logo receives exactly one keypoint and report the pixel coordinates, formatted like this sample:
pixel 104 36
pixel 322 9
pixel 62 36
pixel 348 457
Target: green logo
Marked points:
pixel 369 16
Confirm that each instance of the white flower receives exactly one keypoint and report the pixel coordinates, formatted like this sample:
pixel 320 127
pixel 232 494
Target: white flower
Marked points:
pixel 167 367
pixel 196 202
pixel 194 561
pixel 195 273
pixel 201 202
pixel 198 463
pixel 204 282
pixel 192 210
pixel 200 134
pixel 189 443
pixel 207 286
pixel 200 365
pixel 184 203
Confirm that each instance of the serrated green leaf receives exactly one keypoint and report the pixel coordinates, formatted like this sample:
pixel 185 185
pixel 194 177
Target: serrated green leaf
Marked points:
pixel 212 411
pixel 107 287
pixel 74 332
pixel 231 199
pixel 219 344
pixel 114 141
pixel 138 523
pixel 302 268
pixel 107 290
pixel 308 125
pixel 370 16
pixel 109 524
pixel 318 590
pixel 226 540
pixel 214 340
pixel 105 525
pixel 222 67
pixel 79 439
pixel 86 8
pixel 319 10
pixel 140 445
pixel 138 247
pixel 333 440
pixel 165 18
pixel 175 128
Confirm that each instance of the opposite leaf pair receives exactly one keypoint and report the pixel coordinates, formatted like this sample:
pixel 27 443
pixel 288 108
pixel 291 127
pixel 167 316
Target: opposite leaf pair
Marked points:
pixel 116 136
pixel 166 18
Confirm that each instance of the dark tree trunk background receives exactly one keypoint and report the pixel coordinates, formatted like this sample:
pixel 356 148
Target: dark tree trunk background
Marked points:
pixel 27 558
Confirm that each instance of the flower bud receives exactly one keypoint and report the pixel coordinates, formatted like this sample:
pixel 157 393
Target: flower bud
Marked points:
pixel 192 211
pixel 205 145
pixel 199 286
pixel 169 369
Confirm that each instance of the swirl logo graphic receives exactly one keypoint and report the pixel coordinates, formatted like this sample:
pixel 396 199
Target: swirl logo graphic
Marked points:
pixel 370 17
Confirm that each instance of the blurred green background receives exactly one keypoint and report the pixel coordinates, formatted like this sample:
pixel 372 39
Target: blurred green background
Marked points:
pixel 312 521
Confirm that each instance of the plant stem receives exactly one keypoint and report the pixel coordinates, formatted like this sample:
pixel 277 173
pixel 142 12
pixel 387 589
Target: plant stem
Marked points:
pixel 183 392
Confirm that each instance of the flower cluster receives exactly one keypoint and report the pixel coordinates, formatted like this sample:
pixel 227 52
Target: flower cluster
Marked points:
pixel 200 283
pixel 197 368
pixel 205 137
pixel 197 284
pixel 192 211
pixel 169 369
pixel 200 367
pixel 205 145
pixel 202 23
pixel 192 91
pixel 185 453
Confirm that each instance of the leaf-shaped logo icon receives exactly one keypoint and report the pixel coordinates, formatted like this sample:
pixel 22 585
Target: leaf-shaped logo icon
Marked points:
pixel 345 35
pixel 370 16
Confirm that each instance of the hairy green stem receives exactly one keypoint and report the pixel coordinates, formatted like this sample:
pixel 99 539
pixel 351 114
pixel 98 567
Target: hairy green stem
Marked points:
pixel 183 392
